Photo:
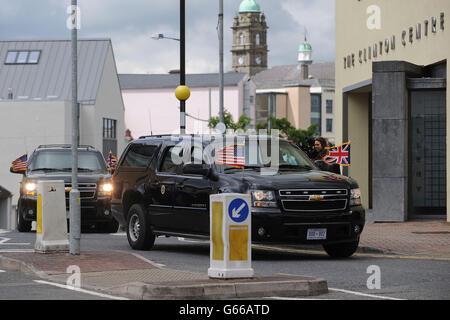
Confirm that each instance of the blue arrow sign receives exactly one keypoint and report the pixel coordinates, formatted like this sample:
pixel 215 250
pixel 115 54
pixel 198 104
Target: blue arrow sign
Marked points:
pixel 238 210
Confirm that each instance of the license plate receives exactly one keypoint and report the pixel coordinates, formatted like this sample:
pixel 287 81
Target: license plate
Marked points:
pixel 316 234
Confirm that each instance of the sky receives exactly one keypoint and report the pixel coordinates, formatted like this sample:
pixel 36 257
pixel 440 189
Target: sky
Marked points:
pixel 131 23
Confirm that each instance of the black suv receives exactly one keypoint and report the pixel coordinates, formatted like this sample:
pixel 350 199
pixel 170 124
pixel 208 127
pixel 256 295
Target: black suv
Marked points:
pixel 157 196
pixel 54 162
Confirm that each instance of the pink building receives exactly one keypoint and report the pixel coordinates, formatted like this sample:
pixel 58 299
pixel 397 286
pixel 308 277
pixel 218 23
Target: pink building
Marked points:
pixel 151 107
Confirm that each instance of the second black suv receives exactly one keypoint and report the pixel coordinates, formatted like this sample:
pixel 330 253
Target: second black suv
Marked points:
pixel 54 162
pixel 156 196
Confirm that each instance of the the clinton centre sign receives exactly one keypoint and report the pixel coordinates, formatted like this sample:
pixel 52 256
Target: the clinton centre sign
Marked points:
pixel 410 35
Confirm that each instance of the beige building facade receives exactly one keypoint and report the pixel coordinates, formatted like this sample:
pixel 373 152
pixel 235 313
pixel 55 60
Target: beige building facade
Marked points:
pixel 392 99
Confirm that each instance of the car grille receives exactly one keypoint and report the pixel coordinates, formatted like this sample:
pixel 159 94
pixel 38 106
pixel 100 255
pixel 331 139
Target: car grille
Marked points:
pixel 87 190
pixel 322 200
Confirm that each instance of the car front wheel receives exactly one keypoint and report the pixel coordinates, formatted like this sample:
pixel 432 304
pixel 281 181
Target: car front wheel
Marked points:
pixel 341 250
pixel 139 233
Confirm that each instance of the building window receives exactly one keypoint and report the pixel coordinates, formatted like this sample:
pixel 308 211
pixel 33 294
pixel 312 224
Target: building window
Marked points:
pixel 258 39
pixel 109 137
pixel 316 110
pixel 329 106
pixel 329 125
pixel 241 39
pixel 23 57
pixel 109 128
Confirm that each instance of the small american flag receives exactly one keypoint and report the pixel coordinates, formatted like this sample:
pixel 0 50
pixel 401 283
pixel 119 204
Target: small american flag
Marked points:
pixel 232 155
pixel 111 161
pixel 339 155
pixel 20 164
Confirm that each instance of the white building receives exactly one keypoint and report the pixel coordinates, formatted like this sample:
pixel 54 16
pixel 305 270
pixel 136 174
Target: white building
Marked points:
pixel 152 108
pixel 36 94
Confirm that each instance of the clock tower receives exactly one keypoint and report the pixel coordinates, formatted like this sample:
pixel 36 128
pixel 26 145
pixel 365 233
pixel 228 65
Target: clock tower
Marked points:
pixel 249 39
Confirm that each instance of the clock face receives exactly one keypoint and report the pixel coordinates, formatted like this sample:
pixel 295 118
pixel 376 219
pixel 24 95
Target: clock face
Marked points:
pixel 258 60
pixel 241 60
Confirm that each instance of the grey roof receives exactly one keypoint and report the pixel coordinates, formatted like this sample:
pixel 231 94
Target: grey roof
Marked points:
pixel 51 78
pixel 162 81
pixel 290 75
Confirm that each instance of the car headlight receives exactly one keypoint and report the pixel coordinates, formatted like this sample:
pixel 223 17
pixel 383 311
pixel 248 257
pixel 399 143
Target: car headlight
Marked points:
pixel 355 197
pixel 30 188
pixel 264 199
pixel 106 189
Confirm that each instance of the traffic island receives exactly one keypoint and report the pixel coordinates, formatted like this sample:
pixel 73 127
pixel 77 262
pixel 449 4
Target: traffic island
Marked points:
pixel 257 287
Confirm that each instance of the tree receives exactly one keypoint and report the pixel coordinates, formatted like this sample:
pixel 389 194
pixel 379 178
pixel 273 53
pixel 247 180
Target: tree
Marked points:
pixel 302 138
pixel 242 122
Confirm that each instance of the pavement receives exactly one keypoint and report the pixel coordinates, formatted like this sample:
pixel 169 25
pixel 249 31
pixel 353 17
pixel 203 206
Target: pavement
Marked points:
pixel 131 276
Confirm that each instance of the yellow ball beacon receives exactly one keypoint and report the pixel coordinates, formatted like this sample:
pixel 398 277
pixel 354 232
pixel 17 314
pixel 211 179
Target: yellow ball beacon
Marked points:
pixel 182 93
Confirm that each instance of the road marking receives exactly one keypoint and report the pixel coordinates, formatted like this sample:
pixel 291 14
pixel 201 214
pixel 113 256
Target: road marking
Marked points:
pixel 98 294
pixel 16 250
pixel 367 255
pixel 363 294
pixel 3 241
pixel 287 298
pixel 2 271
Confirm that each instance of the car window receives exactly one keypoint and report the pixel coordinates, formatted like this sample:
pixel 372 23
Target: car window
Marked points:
pixel 139 156
pixel 171 156
pixel 62 160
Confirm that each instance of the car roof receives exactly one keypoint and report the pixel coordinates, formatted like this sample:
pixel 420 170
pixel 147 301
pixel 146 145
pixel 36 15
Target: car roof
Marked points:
pixel 63 147
pixel 177 138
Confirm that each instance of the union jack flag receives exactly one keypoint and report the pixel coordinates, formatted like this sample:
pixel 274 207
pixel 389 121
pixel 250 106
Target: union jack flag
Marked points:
pixel 20 164
pixel 232 155
pixel 111 161
pixel 339 155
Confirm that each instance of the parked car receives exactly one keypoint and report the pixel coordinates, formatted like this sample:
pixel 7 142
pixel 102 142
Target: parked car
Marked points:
pixel 154 196
pixel 54 162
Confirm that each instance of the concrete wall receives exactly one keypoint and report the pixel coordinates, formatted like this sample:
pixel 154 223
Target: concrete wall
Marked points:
pixel 25 126
pixel 358 120
pixel 109 104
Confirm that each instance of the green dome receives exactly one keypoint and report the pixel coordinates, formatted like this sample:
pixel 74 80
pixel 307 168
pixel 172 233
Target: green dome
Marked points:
pixel 249 6
pixel 305 47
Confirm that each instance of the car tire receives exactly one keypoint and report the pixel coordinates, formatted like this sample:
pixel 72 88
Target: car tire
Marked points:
pixel 341 250
pixel 22 224
pixel 139 233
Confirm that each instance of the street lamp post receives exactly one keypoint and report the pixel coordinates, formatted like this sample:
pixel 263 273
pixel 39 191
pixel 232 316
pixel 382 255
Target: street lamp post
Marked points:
pixel 182 64
pixel 182 40
pixel 75 211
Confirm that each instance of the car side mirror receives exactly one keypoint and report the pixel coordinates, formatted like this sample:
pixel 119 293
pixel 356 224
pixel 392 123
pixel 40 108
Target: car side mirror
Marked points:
pixel 16 172
pixel 320 164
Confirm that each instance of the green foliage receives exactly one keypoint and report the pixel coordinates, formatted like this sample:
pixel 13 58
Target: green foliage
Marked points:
pixel 300 137
pixel 242 122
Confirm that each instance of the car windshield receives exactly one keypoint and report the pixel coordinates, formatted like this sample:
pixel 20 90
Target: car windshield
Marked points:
pixel 62 161
pixel 258 154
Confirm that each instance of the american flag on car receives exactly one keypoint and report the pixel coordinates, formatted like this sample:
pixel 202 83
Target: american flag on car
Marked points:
pixel 20 164
pixel 232 155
